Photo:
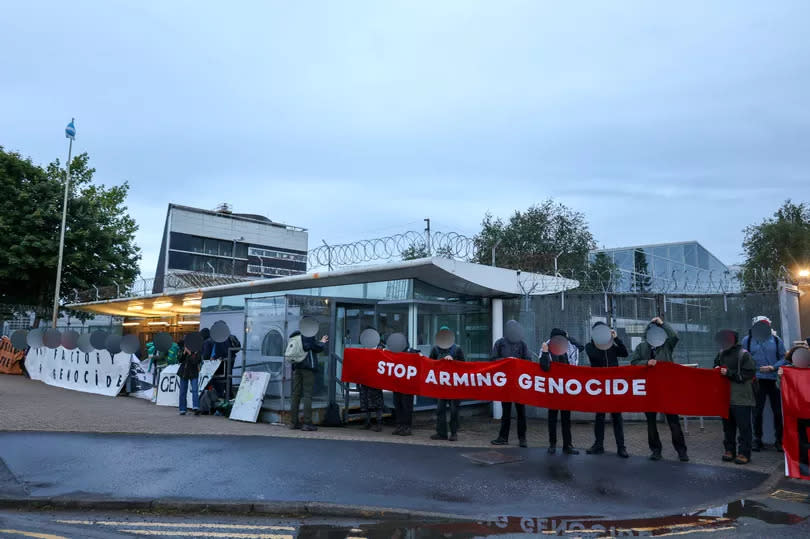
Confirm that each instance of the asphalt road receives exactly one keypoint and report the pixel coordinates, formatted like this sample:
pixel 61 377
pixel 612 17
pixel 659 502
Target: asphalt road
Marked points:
pixel 420 478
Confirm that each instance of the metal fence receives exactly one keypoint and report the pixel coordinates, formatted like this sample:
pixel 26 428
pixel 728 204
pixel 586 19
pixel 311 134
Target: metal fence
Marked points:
pixel 696 318
pixel 173 282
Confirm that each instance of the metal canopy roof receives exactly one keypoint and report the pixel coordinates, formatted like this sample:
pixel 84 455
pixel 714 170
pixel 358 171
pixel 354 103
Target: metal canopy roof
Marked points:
pixel 463 278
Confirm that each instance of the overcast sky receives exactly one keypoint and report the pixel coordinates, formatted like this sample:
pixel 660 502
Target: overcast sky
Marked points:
pixel 661 121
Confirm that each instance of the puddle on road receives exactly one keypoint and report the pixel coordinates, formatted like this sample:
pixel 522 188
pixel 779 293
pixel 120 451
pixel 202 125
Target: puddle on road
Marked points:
pixel 718 519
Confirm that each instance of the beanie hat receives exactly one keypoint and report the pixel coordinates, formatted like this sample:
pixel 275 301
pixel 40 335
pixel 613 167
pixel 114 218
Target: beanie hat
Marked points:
pixel 557 331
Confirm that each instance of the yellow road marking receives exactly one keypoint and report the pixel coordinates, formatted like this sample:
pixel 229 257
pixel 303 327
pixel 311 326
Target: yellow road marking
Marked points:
pixel 704 530
pixel 34 534
pixel 204 525
pixel 789 495
pixel 165 533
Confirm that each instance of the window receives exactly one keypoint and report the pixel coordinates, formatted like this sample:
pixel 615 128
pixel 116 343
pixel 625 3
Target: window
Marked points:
pixel 180 261
pixel 690 254
pixel 273 344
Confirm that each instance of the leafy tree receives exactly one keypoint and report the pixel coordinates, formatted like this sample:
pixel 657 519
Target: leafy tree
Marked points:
pixel 99 233
pixel 420 251
pixel 781 241
pixel 531 239
pixel 603 274
pixel 641 276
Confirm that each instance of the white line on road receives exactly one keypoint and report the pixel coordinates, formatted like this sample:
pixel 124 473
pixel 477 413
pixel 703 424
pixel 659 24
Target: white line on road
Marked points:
pixel 33 534
pixel 204 525
pixel 165 533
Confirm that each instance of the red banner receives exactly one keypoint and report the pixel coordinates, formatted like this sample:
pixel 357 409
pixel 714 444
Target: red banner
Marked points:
pixel 796 420
pixel 666 387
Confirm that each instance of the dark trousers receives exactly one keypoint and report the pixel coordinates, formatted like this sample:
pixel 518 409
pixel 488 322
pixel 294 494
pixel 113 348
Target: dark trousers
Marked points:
pixel 403 409
pixel 506 421
pixel 303 382
pixel 618 430
pixel 441 417
pixel 678 441
pixel 739 419
pixel 566 427
pixel 768 390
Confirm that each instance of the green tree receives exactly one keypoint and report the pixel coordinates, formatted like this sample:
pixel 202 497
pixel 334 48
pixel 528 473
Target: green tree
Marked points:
pixel 641 277
pixel 99 233
pixel 420 251
pixel 781 241
pixel 602 275
pixel 532 239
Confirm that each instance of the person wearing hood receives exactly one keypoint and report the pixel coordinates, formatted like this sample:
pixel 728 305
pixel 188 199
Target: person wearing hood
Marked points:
pixel 304 381
pixel 607 358
pixel 736 364
pixel 454 353
pixel 511 345
pixel 769 356
pixel 646 354
pixel 571 357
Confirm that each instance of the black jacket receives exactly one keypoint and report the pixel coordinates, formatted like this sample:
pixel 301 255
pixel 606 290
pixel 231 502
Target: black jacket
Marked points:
pixel 503 349
pixel 606 358
pixel 314 347
pixel 189 365
pixel 455 351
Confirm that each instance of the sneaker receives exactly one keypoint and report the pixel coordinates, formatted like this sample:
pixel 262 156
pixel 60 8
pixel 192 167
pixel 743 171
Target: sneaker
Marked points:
pixel 295 426
pixel 182 412
pixel 757 446
pixel 742 459
pixel 309 428
pixel 655 455
pixel 683 457
pixel 552 450
pixel 499 441
pixel 523 443
pixel 595 450
pixel 438 436
pixel 622 452
pixel 196 412
pixel 728 456
pixel 453 438
pixel 570 451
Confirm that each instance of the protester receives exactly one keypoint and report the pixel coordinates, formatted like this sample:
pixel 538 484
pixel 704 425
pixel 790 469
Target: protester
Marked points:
pixel 769 355
pixel 571 357
pixel 189 371
pixel 403 405
pixel 737 365
pixel 645 354
pixel 607 358
pixel 790 362
pixel 304 381
pixel 511 345
pixel 371 400
pixel 453 353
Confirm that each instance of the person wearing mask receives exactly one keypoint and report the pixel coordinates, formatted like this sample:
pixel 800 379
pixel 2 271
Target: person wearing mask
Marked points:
pixel 646 354
pixel 403 405
pixel 189 371
pixel 607 358
pixel 453 353
pixel 571 357
pixel 769 355
pixel 304 381
pixel 371 400
pixel 735 363
pixel 511 345
pixel 800 360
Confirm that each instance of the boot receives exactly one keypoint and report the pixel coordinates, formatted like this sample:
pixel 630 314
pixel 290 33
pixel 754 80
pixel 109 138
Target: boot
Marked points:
pixel 622 452
pixel 595 450
pixel 728 456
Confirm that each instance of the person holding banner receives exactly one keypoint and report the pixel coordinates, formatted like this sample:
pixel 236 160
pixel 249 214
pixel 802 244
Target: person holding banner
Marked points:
pixel 559 349
pixel 604 350
pixel 511 345
pixel 768 352
pixel 735 363
pixel 446 349
pixel 659 344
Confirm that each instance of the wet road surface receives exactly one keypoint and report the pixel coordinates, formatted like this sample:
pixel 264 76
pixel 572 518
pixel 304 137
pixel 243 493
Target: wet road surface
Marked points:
pixel 418 478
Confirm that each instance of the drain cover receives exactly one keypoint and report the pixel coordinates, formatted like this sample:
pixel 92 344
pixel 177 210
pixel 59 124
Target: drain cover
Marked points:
pixel 489 458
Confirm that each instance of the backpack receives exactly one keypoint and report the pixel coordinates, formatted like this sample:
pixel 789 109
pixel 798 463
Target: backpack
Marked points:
pixel 295 352
pixel 208 402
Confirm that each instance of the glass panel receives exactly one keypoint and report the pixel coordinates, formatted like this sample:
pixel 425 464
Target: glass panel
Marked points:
pixel 225 248
pixel 703 258
pixel 676 252
pixel 624 260
pixel 690 254
pixel 210 246
pixel 181 261
pixel 241 250
pixel 662 252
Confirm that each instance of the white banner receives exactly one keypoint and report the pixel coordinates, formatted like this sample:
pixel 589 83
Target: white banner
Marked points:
pixel 96 372
pixel 249 399
pixel 142 379
pixel 169 384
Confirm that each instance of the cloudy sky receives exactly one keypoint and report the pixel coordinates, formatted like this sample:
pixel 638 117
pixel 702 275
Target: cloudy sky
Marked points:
pixel 660 121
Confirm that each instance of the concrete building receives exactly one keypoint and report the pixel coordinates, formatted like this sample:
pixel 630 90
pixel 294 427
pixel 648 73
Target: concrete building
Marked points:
pixel 224 243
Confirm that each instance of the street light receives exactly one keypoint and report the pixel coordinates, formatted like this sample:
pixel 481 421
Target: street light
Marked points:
pixel 804 273
pixel 70 133
pixel 233 255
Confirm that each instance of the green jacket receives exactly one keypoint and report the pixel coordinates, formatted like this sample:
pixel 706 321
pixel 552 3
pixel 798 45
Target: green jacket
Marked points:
pixel 665 352
pixel 741 371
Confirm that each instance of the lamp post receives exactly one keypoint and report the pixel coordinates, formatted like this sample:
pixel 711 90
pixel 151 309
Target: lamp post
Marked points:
pixel 233 255
pixel 70 134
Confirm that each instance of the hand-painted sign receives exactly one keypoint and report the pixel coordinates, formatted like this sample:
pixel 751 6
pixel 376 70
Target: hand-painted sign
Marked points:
pixel 96 372
pixel 10 359
pixel 249 399
pixel 666 387
pixel 169 383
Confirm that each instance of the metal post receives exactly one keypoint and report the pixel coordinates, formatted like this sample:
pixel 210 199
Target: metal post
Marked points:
pixel 328 254
pixel 62 237
pixel 495 246
pixel 233 255
pixel 427 237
